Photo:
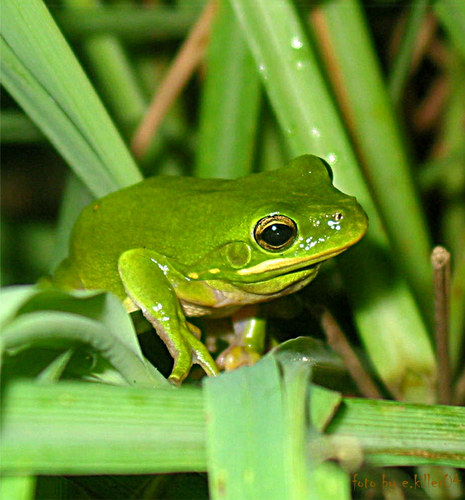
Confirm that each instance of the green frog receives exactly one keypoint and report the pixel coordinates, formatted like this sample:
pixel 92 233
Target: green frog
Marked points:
pixel 177 247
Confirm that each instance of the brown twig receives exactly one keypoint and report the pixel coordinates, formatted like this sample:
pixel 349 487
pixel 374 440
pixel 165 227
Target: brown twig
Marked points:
pixel 440 259
pixel 323 36
pixel 337 340
pixel 422 43
pixel 430 109
pixel 424 40
pixel 187 59
pixel 439 53
pixel 459 393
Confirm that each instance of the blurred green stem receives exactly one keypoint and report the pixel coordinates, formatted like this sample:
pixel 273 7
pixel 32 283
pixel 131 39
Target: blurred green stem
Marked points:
pixel 16 127
pixel 132 23
pixel 230 102
pixel 114 73
pixel 401 67
pixel 451 14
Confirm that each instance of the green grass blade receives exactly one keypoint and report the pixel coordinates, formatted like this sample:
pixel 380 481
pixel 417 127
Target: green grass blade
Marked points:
pixel 129 22
pixel 101 429
pixel 232 90
pixel 17 487
pixel 16 127
pixel 452 16
pixel 120 430
pixel 43 75
pixel 389 321
pixel 42 109
pixel 56 319
pixel 294 387
pixel 403 434
pixel 13 298
pixel 55 329
pixel 55 369
pixel 380 145
pixel 245 438
pixel 401 67
pixel 258 432
pixel 114 74
pixel 75 197
pixel 117 80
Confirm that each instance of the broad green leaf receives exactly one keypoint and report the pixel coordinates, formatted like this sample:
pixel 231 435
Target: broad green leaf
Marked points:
pixel 246 428
pixel 103 307
pixel 328 369
pixel 258 433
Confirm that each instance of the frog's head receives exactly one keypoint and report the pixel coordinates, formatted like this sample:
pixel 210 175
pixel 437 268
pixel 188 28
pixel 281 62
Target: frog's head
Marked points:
pixel 295 220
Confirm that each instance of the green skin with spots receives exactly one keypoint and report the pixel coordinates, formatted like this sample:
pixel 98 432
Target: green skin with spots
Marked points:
pixel 181 246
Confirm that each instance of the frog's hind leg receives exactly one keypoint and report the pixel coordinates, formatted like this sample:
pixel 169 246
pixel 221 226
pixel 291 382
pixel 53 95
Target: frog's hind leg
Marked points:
pixel 66 277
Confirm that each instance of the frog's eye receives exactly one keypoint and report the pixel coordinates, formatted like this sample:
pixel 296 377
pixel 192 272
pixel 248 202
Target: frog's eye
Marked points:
pixel 275 232
pixel 328 168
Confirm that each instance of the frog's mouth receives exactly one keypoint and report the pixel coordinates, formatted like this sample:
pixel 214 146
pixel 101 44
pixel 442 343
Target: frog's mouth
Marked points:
pixel 291 264
pixel 282 280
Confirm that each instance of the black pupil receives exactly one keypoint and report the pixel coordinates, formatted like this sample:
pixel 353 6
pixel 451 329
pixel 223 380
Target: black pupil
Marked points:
pixel 277 235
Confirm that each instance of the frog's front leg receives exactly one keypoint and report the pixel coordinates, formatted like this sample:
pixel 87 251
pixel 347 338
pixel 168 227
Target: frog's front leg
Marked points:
pixel 146 278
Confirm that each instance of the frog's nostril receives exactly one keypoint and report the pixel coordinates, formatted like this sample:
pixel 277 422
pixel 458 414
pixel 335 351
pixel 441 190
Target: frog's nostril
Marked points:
pixel 338 216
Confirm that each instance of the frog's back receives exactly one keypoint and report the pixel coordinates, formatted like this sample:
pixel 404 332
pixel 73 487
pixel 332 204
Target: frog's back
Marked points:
pixel 158 213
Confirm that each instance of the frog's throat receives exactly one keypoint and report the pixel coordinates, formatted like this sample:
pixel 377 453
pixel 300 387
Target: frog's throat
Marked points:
pixel 291 263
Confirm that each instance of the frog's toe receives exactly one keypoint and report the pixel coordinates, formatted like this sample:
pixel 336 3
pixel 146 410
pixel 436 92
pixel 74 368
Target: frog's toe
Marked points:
pixel 192 351
pixel 182 365
pixel 202 357
pixel 195 330
pixel 236 356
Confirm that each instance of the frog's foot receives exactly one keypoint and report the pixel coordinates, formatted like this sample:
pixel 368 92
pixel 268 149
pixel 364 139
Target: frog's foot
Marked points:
pixel 191 350
pixel 195 330
pixel 236 356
